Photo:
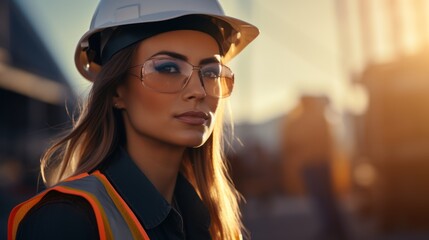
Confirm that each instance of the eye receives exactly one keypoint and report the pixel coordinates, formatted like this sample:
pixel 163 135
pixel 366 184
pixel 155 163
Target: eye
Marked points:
pixel 167 67
pixel 213 71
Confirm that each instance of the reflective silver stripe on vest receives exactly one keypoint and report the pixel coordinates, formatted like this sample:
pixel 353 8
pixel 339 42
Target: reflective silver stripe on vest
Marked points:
pixel 91 184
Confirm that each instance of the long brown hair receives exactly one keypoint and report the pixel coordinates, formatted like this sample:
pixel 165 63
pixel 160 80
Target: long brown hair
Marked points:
pixel 99 130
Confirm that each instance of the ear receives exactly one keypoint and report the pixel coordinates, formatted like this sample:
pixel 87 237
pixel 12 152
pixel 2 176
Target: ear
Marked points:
pixel 118 97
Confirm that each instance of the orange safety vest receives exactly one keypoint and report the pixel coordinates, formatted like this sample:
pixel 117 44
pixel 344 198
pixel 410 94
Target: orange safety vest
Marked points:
pixel 115 220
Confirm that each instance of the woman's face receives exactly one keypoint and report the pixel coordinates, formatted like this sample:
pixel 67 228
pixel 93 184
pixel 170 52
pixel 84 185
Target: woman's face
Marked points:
pixel 185 118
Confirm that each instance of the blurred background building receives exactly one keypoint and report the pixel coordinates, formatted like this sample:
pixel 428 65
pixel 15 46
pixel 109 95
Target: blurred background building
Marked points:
pixel 331 108
pixel 33 93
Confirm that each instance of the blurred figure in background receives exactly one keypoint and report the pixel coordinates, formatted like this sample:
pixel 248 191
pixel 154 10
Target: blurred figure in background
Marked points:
pixel 307 147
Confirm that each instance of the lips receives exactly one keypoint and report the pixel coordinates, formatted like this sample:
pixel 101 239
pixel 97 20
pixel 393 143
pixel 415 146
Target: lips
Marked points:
pixel 193 117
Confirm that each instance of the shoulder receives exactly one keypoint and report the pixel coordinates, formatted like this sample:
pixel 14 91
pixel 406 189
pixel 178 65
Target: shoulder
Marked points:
pixel 59 216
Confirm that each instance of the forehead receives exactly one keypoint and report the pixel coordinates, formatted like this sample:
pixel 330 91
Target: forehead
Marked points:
pixel 194 45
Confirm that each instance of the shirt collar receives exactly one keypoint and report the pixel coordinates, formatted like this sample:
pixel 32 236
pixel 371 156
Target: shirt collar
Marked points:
pixel 149 206
pixel 194 213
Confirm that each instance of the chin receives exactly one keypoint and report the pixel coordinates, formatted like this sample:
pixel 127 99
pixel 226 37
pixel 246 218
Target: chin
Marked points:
pixel 194 143
pixel 192 140
pixel 197 145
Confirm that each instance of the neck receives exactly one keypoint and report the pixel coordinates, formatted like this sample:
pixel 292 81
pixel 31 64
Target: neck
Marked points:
pixel 159 162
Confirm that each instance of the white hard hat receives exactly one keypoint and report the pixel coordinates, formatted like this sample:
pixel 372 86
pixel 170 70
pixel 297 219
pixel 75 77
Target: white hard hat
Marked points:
pixel 111 14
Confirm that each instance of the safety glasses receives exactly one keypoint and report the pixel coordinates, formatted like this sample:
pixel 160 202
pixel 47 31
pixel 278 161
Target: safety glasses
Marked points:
pixel 171 75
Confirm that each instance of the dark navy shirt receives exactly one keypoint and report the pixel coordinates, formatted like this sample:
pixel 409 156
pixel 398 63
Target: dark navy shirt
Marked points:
pixel 61 216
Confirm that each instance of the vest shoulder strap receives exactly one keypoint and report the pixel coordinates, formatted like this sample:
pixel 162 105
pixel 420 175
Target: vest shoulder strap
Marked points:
pixel 115 220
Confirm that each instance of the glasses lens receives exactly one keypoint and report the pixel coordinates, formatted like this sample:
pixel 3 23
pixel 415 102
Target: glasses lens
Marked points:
pixel 165 75
pixel 218 80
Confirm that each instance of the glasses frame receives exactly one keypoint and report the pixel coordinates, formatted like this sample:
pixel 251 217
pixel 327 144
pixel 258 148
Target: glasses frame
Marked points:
pixel 194 68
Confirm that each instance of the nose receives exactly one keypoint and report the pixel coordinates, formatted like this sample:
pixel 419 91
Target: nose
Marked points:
pixel 195 87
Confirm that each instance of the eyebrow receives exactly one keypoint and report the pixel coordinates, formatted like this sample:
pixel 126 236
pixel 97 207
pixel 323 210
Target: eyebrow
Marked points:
pixel 184 58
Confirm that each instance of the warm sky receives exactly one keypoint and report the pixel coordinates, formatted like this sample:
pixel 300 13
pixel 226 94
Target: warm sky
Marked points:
pixel 298 51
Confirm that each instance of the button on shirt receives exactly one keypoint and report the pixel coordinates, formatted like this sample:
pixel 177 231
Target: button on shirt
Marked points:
pixel 188 219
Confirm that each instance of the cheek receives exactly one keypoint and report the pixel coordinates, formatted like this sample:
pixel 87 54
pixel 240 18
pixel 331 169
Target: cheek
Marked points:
pixel 150 109
pixel 145 108
pixel 216 109
pixel 214 104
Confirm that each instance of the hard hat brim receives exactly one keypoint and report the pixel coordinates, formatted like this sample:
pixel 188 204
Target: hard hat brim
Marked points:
pixel 246 33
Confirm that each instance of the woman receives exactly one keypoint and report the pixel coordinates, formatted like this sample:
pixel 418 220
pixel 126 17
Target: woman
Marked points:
pixel 144 158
